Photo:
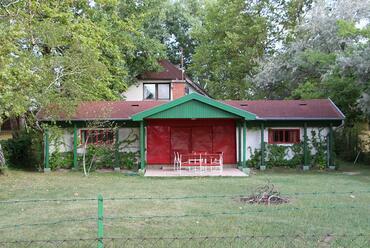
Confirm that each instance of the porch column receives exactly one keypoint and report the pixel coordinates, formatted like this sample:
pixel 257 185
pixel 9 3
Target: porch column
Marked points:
pixel 116 150
pixel 305 148
pixel 142 146
pixel 244 144
pixel 239 144
pixel 262 166
pixel 46 151
pixel 75 147
pixel 331 147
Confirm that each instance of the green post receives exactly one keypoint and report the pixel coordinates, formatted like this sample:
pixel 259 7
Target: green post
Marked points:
pixel 75 147
pixel 244 144
pixel 305 148
pixel 331 149
pixel 142 146
pixel 100 222
pixel 46 151
pixel 262 166
pixel 116 150
pixel 239 144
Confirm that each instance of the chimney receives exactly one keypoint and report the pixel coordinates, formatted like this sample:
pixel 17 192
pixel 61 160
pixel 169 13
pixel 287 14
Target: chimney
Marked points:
pixel 178 89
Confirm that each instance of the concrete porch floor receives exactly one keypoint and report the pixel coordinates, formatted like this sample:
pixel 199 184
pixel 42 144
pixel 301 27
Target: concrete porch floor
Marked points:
pixel 169 172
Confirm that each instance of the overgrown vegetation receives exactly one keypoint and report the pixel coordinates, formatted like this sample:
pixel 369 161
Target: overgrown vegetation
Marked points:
pixel 24 151
pixel 292 156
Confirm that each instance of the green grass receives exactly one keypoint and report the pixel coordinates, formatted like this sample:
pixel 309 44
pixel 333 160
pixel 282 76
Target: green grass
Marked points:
pixel 305 215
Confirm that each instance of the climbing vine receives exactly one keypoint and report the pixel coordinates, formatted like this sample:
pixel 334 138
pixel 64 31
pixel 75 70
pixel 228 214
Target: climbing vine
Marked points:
pixel 277 155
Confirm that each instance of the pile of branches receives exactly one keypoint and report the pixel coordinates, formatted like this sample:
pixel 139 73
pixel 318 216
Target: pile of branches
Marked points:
pixel 265 194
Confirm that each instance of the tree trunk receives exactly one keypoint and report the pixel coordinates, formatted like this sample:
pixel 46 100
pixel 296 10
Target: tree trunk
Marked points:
pixel 2 158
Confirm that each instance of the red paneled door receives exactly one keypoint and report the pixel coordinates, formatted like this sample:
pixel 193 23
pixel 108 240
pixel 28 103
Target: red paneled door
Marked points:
pixel 158 147
pixel 201 139
pixel 166 137
pixel 180 140
pixel 224 140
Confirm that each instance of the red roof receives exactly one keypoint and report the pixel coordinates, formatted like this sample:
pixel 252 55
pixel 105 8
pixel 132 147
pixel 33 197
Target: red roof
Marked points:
pixel 169 72
pixel 106 110
pixel 264 109
pixel 290 109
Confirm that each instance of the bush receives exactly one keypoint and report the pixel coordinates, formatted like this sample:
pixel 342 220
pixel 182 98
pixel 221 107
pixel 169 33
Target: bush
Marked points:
pixel 24 151
pixel 61 160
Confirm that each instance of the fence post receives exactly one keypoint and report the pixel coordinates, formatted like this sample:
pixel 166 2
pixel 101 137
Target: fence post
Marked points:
pixel 100 222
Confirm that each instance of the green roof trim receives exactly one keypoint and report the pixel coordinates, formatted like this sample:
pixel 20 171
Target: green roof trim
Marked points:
pixel 193 106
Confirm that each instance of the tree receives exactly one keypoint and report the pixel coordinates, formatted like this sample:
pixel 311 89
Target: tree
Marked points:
pixel 234 36
pixel 231 39
pixel 326 58
pixel 57 53
pixel 61 52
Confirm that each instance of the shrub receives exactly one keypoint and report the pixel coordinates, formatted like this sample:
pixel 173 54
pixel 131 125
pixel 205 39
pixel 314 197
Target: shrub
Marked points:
pixel 24 151
pixel 61 160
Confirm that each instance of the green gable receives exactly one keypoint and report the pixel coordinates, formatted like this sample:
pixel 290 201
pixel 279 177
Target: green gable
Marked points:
pixel 193 106
pixel 192 109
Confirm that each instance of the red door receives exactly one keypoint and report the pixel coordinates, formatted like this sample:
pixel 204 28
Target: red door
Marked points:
pixel 180 140
pixel 158 151
pixel 201 139
pixel 224 140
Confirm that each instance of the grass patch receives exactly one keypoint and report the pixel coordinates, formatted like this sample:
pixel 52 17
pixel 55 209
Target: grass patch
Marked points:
pixel 305 214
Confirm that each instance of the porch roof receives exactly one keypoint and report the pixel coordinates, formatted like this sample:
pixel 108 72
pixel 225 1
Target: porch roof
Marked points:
pixel 194 106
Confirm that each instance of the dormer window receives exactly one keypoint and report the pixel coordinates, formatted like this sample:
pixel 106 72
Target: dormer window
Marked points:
pixel 157 91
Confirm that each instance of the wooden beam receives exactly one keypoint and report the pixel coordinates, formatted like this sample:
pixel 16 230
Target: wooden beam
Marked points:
pixel 46 150
pixel 142 146
pixel 244 144
pixel 116 148
pixel 331 146
pixel 239 144
pixel 75 147
pixel 305 146
pixel 262 145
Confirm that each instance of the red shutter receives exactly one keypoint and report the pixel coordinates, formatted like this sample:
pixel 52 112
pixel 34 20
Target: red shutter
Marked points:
pixel 298 136
pixel 270 136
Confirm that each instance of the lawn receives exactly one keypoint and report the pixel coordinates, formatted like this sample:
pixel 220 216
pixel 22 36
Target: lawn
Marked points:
pixel 304 222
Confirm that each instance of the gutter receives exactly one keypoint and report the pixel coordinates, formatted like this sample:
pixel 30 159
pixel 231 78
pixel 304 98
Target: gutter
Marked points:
pixel 335 106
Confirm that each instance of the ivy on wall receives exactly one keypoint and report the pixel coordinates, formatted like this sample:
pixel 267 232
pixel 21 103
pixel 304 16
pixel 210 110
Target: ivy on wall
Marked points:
pixel 292 155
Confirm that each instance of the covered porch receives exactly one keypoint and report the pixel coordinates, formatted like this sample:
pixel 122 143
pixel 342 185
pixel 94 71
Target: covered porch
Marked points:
pixel 165 171
pixel 197 127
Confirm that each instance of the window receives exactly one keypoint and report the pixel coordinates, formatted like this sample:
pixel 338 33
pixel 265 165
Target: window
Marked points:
pixel 156 91
pixel 99 136
pixel 284 136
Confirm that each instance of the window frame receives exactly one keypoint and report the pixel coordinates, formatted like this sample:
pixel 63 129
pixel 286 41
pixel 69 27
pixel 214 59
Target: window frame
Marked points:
pixel 297 135
pixel 156 92
pixel 99 135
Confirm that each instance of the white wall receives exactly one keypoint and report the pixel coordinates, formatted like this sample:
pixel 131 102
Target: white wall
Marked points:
pixel 134 92
pixel 253 139
pixel 129 134
pixel 66 141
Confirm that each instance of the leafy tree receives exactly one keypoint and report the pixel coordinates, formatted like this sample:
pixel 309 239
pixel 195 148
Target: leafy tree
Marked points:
pixel 327 58
pixel 60 52
pixel 233 37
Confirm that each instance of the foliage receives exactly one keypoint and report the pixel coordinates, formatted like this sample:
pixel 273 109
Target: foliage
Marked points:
pixel 61 160
pixel 65 51
pixel 318 147
pixel 255 158
pixel 327 57
pixel 23 151
pixel 129 160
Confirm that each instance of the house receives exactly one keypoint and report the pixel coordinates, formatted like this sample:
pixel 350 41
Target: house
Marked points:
pixel 180 117
pixel 168 84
